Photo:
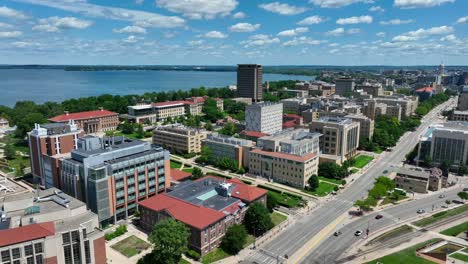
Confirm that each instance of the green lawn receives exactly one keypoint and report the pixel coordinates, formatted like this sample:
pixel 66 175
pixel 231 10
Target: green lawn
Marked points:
pixel 278 218
pixel 392 234
pixel 250 239
pixel 362 160
pixel 391 199
pixel 439 216
pixel 285 200
pixel 335 181
pixel 407 255
pixel 213 256
pixel 189 170
pixel 465 250
pixel 175 164
pixel 455 230
pixel 183 261
pixel 460 256
pixel 324 189
pixel 131 246
pixel 354 170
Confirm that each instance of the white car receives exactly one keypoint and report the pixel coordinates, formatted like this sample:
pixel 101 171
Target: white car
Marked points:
pixel 421 211
pixel 358 233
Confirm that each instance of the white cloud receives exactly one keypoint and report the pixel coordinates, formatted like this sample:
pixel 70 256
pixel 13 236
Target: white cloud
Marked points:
pixel 239 15
pixel 259 40
pixel 244 27
pixel 140 18
pixel 132 39
pixel 293 32
pixel 337 3
pixel 381 34
pixel 10 34
pixel 336 32
pixel 333 51
pixel 5 26
pixel 22 44
pixel 196 42
pixel 56 24
pixel 451 38
pixel 283 9
pixel 130 29
pixel 215 34
pixel 376 9
pixel 198 9
pixel 422 33
pixel 396 22
pixel 403 38
pixel 333 45
pixel 355 20
pixel 462 20
pixel 11 13
pixel 302 41
pixel 420 3
pixel 312 20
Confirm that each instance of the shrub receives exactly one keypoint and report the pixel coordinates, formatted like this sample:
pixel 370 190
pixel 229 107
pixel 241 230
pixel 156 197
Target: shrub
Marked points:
pixel 193 254
pixel 122 229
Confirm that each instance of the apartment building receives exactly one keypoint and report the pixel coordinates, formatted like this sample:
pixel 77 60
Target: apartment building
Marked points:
pixel 344 86
pixel 48 144
pixel 289 157
pixel 463 99
pixel 374 89
pixel 249 81
pixel 458 115
pixel 408 103
pixel 111 174
pixel 266 117
pixel 207 207
pixel 47 226
pixel 340 136
pixel 91 121
pixel 366 126
pixel 179 138
pixel 229 147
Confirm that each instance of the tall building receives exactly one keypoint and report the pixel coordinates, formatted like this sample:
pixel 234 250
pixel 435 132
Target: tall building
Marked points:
pixel 178 138
pixel 340 136
pixel 91 121
pixel 344 86
pixel 366 126
pixel 408 104
pixel 47 227
pixel 463 99
pixel 266 117
pixel 249 81
pixel 229 147
pixel 112 174
pixel 48 144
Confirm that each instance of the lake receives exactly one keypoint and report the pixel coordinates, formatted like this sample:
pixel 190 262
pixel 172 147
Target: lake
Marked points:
pixel 41 85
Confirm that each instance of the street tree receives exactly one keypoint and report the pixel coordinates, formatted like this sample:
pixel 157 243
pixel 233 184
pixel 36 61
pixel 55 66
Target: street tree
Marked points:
pixel 234 239
pixel 463 195
pixel 257 219
pixel 313 182
pixel 197 173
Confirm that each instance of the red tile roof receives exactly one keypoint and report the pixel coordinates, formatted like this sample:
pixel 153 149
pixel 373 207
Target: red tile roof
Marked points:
pixel 26 233
pixel 245 192
pixel 425 90
pixel 193 215
pixel 292 116
pixel 179 175
pixel 82 115
pixel 281 155
pixel 169 103
pixel 254 134
pixel 289 124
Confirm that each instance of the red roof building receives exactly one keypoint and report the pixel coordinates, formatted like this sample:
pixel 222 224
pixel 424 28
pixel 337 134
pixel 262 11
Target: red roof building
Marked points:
pixel 91 121
pixel 178 175
pixel 26 233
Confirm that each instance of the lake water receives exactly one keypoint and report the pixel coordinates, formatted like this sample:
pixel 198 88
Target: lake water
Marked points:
pixel 57 85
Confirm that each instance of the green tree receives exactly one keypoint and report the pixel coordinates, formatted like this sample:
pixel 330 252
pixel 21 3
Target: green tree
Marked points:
pixel 197 173
pixel 229 129
pixel 234 239
pixel 463 170
pixel 313 182
pixel 427 161
pixel 170 240
pixel 363 205
pixel 127 128
pixel 209 126
pixel 211 111
pixel 9 151
pixel 206 155
pixel 332 170
pixel 387 182
pixel 26 124
pixel 463 195
pixel 445 166
pixel 378 191
pixel 140 132
pixel 272 201
pixel 257 219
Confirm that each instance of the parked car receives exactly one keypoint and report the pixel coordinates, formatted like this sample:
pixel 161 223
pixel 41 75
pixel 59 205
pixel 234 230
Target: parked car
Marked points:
pixel 442 196
pixel 421 211
pixel 465 189
pixel 378 216
pixel 337 233
pixel 358 233
pixel 444 206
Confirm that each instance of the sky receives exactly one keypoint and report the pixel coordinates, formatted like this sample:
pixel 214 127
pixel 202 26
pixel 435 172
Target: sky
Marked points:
pixel 228 32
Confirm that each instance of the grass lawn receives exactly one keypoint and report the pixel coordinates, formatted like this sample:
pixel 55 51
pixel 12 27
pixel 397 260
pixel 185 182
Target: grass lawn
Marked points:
pixel 285 200
pixel 175 164
pixel 407 255
pixel 439 216
pixel 131 246
pixel 278 218
pixel 455 230
pixel 392 234
pixel 362 160
pixel 460 256
pixel 465 250
pixel 324 189
pixel 183 261
pixel 354 170
pixel 189 170
pixel 213 256
pixel 378 151
pixel 18 144
pixel 335 181
pixel 250 239
pixel 388 199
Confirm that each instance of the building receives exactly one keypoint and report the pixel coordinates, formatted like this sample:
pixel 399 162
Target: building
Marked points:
pixel 47 227
pixel 251 135
pixel 463 99
pixel 340 136
pixel 207 206
pixel 372 109
pixel 458 115
pixel 295 105
pixel 418 180
pixel 142 113
pixel 289 157
pixel 249 81
pixel 425 93
pixel 292 121
pixel 92 121
pixel 408 104
pixel 48 144
pixel 170 109
pixel 178 138
pixel 366 126
pixel 194 105
pixel 266 117
pixel 112 174
pixel 229 147
pixel 344 86
pixel 374 89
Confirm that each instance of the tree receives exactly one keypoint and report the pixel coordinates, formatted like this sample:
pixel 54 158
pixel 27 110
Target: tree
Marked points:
pixel 127 128
pixel 9 151
pixel 332 170
pixel 170 241
pixel 140 132
pixel 25 124
pixel 234 239
pixel 387 182
pixel 211 111
pixel 209 126
pixel 463 195
pixel 257 219
pixel 272 201
pixel 445 166
pixel 313 182
pixel 463 170
pixel 427 161
pixel 197 173
pixel 229 129
pixel 205 155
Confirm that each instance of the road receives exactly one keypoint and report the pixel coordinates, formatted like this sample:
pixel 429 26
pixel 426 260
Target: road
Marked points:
pixel 297 235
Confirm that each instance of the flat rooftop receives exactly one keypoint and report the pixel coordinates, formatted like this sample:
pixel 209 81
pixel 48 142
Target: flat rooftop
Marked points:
pixel 336 120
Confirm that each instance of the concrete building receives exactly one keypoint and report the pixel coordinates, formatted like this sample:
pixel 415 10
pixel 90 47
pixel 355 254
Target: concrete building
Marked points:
pixel 344 86
pixel 91 121
pixel 374 89
pixel 266 117
pixel 112 174
pixel 47 227
pixel 208 207
pixel 418 180
pixel 463 99
pixel 408 104
pixel 229 147
pixel 458 115
pixel 366 126
pixel 178 138
pixel 372 109
pixel 249 81
pixel 295 105
pixel 48 144
pixel 170 109
pixel 142 113
pixel 340 136
pixel 289 157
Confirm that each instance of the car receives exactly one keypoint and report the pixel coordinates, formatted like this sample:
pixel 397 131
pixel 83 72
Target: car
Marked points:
pixel 444 206
pixel 465 189
pixel 385 171
pixel 358 233
pixel 421 211
pixel 442 196
pixel 337 233
pixel 378 216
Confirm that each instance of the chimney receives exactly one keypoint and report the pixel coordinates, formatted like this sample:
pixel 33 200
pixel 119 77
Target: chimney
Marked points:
pixel 67 113
pixel 101 108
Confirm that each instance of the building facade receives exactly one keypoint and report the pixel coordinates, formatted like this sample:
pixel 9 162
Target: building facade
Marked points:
pixel 366 126
pixel 266 117
pixel 229 147
pixel 179 139
pixel 463 99
pixel 249 81
pixel 344 86
pixel 91 121
pixel 419 180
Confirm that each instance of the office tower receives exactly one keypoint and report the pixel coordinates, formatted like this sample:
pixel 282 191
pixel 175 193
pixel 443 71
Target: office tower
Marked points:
pixel 344 86
pixel 249 81
pixel 266 117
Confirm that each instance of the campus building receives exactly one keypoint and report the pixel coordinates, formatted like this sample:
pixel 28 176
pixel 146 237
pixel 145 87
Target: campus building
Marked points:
pixel 222 146
pixel 408 104
pixel 111 174
pixel 91 121
pixel 266 117
pixel 463 99
pixel 207 206
pixel 344 86
pixel 414 179
pixel 178 138
pixel 48 144
pixel 374 89
pixel 249 81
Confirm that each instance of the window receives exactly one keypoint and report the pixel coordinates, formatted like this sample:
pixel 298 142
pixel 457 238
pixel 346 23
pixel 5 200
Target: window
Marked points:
pixel 87 252
pixel 39 259
pixel 30 260
pixel 75 236
pixel 76 253
pixel 66 238
pixel 28 250
pixel 6 255
pixel 38 248
pixel 68 254
pixel 16 252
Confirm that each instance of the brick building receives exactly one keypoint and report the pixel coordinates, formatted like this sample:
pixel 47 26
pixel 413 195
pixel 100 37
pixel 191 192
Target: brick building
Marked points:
pixel 91 121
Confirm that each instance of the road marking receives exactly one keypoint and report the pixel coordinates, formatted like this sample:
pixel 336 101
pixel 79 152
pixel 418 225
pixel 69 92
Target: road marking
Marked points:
pixel 321 235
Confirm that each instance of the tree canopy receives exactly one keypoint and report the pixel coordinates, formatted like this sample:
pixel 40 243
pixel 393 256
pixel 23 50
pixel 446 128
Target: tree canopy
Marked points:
pixel 257 219
pixel 234 239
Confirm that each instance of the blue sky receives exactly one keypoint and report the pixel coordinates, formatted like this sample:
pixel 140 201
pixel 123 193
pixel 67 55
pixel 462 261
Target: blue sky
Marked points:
pixel 226 32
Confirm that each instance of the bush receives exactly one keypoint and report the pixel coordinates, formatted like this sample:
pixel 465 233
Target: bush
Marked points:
pixel 122 229
pixel 234 240
pixel 336 188
pixel 193 254
pixel 343 182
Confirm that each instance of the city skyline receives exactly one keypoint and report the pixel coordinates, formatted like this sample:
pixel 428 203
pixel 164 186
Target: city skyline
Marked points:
pixel 223 32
